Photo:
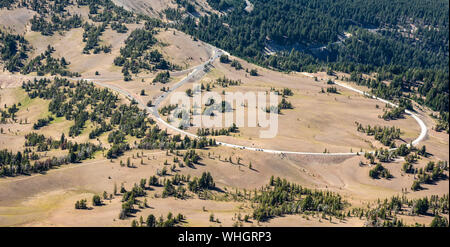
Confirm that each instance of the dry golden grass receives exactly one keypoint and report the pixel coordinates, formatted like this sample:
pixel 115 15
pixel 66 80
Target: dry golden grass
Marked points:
pixel 155 8
pixel 179 48
pixel 48 200
pixel 15 20
pixel 318 121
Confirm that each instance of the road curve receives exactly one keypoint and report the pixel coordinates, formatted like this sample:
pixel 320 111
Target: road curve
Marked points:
pixel 197 70
pixel 423 127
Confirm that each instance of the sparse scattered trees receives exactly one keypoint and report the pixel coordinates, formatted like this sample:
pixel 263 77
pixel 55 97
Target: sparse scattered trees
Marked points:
pixel 96 200
pixel 81 204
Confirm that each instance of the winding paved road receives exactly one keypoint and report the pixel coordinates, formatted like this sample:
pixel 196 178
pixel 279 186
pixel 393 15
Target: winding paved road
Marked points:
pixel 197 72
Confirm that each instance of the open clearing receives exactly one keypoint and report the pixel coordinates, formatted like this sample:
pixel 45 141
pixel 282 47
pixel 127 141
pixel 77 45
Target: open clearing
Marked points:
pixel 47 200
pixel 318 121
pixel 155 7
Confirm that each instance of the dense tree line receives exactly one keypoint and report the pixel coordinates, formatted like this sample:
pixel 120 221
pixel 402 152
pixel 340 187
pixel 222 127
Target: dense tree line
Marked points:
pixel 162 77
pixel 20 163
pixel 224 5
pixel 53 16
pixel 393 113
pixel 6 3
pixel 117 150
pixel 218 132
pixel 432 173
pixel 175 187
pixel 107 12
pixel 91 36
pixel 42 122
pixel 45 63
pixel 138 55
pixel 165 110
pixel 205 182
pixel 386 135
pixel 442 122
pixel 315 22
pixel 385 213
pixel 273 109
pixel 410 153
pixel 170 190
pixel 380 171
pixel 439 221
pixel 12 164
pixel 310 36
pixel 151 221
pixel 129 199
pixel 48 26
pixel 82 101
pixel 104 127
pixel 281 197
pixel 430 85
pixel 81 204
pixel 285 104
pixel 119 27
pixel 225 82
pixel 8 112
pixel 44 7
pixel 72 100
pixel 159 139
pixel 13 51
pixel 332 90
